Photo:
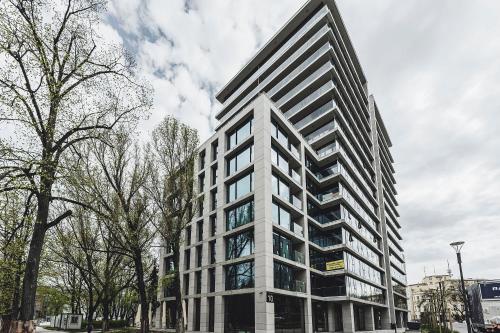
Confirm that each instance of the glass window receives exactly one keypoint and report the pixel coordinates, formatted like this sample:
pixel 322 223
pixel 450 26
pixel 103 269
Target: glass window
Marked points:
pixel 186 284
pixel 187 259
pixel 211 314
pixel 280 187
pixel 278 159
pixel 211 280
pixel 212 252
pixel 240 245
pixel 281 216
pixel 239 313
pixel 240 215
pixel 240 276
pixel 199 255
pixel 198 282
pixel 240 187
pixel 213 225
pixel 199 227
pixel 283 276
pixel 197 314
pixel 240 161
pixel 240 134
pixel 282 246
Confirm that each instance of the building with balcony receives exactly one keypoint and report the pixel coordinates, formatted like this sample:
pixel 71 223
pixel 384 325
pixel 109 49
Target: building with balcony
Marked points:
pixel 298 225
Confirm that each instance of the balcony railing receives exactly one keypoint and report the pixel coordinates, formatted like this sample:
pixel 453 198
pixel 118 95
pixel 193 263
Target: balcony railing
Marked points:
pixel 296 201
pixel 299 286
pixel 321 132
pixel 330 105
pixel 299 257
pixel 298 230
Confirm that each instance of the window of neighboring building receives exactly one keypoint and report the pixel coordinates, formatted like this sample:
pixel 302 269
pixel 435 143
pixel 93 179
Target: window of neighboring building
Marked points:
pixel 241 133
pixel 282 246
pixel 241 160
pixel 211 280
pixel 197 314
pixel 283 276
pixel 201 159
pixel 197 276
pixel 240 276
pixel 212 252
pixel 187 259
pixel 211 314
pixel 215 175
pixel 239 215
pixel 213 225
pixel 279 134
pixel 188 235
pixel 240 187
pixel 240 245
pixel 199 255
pixel 201 182
pixel 186 284
pixel 213 199
pixel 199 227
pixel 215 150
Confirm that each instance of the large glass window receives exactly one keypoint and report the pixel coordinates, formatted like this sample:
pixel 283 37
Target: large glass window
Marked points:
pixel 278 159
pixel 282 246
pixel 240 187
pixel 284 277
pixel 358 289
pixel 240 276
pixel 240 245
pixel 327 285
pixel 356 266
pixel 240 215
pixel 211 314
pixel 288 314
pixel 325 238
pixel 320 261
pixel 240 134
pixel 239 314
pixel 280 187
pixel 240 161
pixel 279 134
pixel 281 216
pixel 197 314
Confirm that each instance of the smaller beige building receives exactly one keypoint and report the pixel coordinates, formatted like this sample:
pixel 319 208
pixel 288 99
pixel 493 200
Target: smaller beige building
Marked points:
pixel 418 295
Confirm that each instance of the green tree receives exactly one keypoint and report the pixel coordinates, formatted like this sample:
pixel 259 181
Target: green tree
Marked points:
pixel 61 84
pixel 173 191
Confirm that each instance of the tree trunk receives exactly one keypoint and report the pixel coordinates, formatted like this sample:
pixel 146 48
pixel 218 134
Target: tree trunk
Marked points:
pixel 90 311
pixel 141 288
pixel 32 266
pixel 179 324
pixel 105 313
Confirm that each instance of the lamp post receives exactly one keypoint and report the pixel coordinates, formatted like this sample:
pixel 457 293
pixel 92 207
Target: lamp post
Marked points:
pixel 457 246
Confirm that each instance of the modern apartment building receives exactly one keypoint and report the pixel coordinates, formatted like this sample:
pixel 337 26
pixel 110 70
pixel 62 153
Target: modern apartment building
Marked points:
pixel 297 228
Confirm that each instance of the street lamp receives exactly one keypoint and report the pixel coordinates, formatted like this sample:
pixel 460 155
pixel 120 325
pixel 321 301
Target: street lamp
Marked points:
pixel 457 246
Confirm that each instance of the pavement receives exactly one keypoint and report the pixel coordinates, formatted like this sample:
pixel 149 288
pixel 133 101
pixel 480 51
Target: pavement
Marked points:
pixel 460 327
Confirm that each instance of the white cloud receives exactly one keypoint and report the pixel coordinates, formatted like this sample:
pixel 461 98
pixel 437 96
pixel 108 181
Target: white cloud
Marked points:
pixel 434 70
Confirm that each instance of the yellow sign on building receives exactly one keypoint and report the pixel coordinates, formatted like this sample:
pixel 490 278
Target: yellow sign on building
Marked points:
pixel 333 265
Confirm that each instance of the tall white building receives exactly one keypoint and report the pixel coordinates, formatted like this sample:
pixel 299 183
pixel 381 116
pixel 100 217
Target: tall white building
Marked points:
pixel 298 227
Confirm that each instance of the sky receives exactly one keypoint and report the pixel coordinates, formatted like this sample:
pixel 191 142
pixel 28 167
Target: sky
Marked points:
pixel 433 66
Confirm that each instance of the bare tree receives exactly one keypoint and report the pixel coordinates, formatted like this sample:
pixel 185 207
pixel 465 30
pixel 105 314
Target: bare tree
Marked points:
pixel 60 84
pixel 111 182
pixel 172 188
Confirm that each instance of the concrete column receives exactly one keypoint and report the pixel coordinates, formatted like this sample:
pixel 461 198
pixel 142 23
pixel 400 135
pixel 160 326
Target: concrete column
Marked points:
pixel 204 314
pixel 219 314
pixel 348 317
pixel 369 319
pixel 386 319
pixel 331 318
pixel 264 269
pixel 308 318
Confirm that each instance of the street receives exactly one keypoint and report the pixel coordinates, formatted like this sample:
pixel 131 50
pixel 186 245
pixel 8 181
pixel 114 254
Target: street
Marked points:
pixel 460 327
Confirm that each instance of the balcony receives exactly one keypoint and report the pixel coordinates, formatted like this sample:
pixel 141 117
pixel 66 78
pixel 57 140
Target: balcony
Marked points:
pixel 321 132
pixel 316 114
pixel 298 229
pixel 299 257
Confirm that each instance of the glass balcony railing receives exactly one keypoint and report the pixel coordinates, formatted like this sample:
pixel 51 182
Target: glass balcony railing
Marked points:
pixel 328 86
pixel 295 175
pixel 298 230
pixel 321 132
pixel 329 106
pixel 398 276
pixel 327 150
pixel 295 200
pixel 395 261
pixel 294 151
pixel 299 257
pixel 305 83
pixel 299 286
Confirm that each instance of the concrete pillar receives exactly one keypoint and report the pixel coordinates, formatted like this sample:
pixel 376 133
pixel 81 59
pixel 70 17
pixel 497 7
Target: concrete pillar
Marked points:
pixel 369 319
pixel 331 318
pixel 264 268
pixel 204 313
pixel 219 314
pixel 348 317
pixel 386 319
pixel 308 321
